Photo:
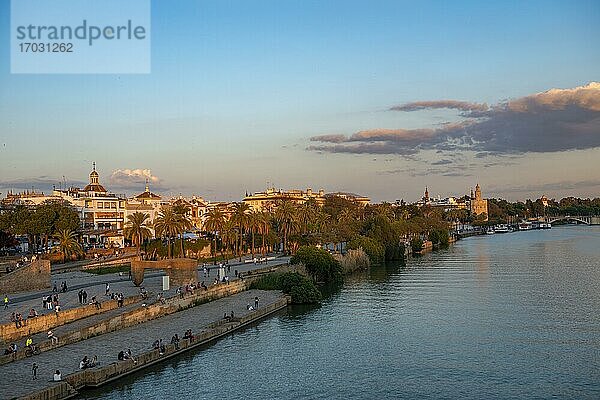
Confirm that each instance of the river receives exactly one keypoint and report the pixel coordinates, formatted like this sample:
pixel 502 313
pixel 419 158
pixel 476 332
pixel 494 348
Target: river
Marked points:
pixel 513 315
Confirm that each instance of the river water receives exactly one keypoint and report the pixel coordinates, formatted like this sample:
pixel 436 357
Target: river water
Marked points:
pixel 513 315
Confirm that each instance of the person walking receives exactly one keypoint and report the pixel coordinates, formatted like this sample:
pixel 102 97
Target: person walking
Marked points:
pixel 6 301
pixel 107 289
pixel 34 369
pixel 52 337
pixel 256 302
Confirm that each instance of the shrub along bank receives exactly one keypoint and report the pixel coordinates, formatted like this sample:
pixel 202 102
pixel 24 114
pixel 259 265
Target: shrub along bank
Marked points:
pixel 300 288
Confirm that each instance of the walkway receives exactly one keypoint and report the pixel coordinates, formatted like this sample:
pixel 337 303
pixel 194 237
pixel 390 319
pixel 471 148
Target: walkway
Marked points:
pixel 17 380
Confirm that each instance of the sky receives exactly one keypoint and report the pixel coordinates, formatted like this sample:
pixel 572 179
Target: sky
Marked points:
pixel 380 98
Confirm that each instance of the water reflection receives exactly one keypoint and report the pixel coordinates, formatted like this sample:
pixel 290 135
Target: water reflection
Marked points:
pixel 502 316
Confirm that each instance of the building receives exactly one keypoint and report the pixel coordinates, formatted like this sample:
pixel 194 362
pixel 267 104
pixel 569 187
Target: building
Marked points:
pixel 360 200
pixel 146 203
pixel 447 203
pixel 267 200
pixel 477 204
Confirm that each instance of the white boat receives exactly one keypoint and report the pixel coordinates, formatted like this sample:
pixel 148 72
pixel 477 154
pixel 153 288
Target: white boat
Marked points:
pixel 545 225
pixel 490 231
pixel 501 228
pixel 525 226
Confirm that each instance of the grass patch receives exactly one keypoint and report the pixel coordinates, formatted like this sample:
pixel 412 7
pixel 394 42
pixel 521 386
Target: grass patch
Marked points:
pixel 109 270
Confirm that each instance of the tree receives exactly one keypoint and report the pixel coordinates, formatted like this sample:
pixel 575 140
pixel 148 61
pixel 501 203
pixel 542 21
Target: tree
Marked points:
pixel 254 224
pixel 136 229
pixel 167 224
pixel 184 222
pixel 68 243
pixel 321 265
pixel 215 219
pixel 286 217
pixel 264 227
pixel 241 218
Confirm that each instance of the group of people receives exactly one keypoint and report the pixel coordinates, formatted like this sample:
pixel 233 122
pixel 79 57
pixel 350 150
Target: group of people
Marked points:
pixel 126 355
pixel 63 287
pixel 17 319
pixel 11 349
pixel 250 308
pixel 51 302
pixel 188 289
pixel 119 297
pixel 23 261
pixel 229 318
pixel 82 296
pixel 158 345
pixel 87 363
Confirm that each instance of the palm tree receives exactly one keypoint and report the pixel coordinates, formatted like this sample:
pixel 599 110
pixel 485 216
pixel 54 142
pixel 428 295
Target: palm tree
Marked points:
pixel 167 224
pixel 229 234
pixel 307 213
pixel 215 219
pixel 254 224
pixel 68 243
pixel 286 216
pixel 185 223
pixel 240 217
pixel 263 228
pixel 137 229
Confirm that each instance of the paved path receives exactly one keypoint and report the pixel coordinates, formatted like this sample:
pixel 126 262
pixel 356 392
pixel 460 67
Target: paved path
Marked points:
pixel 95 286
pixel 16 376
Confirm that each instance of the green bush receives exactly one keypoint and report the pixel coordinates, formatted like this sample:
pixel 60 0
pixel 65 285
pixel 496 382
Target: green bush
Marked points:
pixel 266 282
pixel 321 265
pixel 301 289
pixel 290 279
pixel 374 250
pixel 305 293
pixel 416 245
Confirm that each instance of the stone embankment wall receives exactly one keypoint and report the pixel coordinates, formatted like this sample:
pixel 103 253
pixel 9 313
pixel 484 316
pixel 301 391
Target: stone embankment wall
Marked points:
pixel 34 276
pixel 180 270
pixel 42 323
pixel 137 316
pixel 99 376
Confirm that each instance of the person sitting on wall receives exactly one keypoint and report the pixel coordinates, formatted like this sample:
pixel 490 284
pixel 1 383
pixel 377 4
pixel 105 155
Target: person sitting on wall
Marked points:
pixel 175 341
pixel 57 377
pixel 188 335
pixel 121 356
pixel 32 313
pixel 129 356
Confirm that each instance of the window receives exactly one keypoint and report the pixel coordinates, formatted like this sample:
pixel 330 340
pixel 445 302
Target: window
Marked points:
pixel 99 204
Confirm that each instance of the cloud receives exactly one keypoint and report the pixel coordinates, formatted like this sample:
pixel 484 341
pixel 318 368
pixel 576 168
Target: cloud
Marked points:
pixel 329 138
pixel 552 121
pixel 451 104
pixel 134 178
pixel 548 187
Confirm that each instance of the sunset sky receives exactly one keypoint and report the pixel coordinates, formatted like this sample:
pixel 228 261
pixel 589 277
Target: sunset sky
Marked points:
pixel 380 98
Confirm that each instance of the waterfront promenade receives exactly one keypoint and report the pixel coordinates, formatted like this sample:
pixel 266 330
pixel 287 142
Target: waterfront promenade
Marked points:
pixel 95 286
pixel 17 380
pixel 138 338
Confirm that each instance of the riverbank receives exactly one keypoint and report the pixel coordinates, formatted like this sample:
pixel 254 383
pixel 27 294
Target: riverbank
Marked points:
pixel 206 323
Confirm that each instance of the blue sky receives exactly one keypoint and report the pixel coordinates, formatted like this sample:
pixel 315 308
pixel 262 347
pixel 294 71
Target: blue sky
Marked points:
pixel 238 88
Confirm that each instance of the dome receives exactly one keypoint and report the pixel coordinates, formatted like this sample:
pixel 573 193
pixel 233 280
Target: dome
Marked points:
pixel 94 187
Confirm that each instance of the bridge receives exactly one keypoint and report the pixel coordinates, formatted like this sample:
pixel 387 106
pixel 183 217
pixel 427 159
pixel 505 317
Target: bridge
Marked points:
pixel 582 219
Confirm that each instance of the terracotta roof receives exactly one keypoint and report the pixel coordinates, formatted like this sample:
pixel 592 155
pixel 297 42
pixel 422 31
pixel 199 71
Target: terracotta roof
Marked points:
pixel 94 187
pixel 147 195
